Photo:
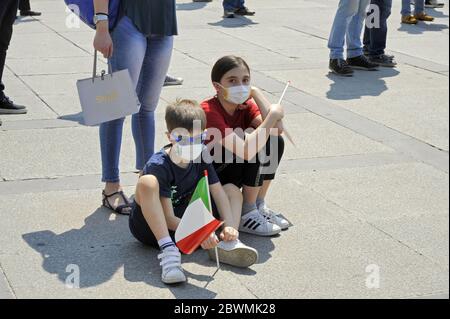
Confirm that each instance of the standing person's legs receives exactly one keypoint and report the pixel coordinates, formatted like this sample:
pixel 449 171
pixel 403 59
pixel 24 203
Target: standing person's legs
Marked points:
pixel 25 9
pixel 419 7
pixel 153 72
pixel 229 5
pixel 346 10
pixel 240 4
pixel 129 51
pixel 354 31
pixel 375 38
pixel 406 7
pixel 8 10
pixel 24 5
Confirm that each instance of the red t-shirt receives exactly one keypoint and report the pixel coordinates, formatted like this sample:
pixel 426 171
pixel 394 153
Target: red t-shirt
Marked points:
pixel 218 118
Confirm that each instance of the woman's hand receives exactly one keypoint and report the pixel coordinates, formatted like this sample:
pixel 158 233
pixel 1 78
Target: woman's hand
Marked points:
pixel 229 234
pixel 210 242
pixel 102 41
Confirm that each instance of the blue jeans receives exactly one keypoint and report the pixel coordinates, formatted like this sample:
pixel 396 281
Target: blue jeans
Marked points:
pixel 375 39
pixel 347 26
pixel 406 7
pixel 147 59
pixel 231 5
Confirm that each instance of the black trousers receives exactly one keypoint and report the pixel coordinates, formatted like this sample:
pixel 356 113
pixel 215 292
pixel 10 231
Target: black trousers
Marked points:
pixel 375 39
pixel 24 5
pixel 252 173
pixel 8 11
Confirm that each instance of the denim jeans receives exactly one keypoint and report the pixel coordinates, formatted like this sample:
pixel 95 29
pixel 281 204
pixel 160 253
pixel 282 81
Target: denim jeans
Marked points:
pixel 375 38
pixel 406 7
pixel 147 59
pixel 231 5
pixel 347 27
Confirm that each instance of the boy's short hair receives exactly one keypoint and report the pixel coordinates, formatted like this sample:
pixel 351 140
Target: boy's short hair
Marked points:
pixel 182 113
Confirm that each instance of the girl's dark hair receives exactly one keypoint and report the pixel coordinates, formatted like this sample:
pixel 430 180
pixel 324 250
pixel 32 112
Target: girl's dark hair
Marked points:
pixel 225 64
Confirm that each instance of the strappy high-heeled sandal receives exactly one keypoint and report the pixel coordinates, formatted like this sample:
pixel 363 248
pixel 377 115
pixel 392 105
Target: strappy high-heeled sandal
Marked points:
pixel 123 209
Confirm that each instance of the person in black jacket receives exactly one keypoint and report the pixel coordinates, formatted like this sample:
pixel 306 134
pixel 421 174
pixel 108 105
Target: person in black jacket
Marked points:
pixel 25 9
pixel 8 10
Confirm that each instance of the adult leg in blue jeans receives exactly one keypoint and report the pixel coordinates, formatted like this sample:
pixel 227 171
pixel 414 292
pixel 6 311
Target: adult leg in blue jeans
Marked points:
pixel 147 60
pixel 235 7
pixel 354 30
pixel 419 12
pixel 348 24
pixel 375 38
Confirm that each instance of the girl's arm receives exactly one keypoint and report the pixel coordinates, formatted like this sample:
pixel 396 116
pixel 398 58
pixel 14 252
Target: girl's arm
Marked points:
pixel 264 107
pixel 254 142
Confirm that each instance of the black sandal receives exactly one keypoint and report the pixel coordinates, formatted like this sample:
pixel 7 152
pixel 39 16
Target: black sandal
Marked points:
pixel 119 209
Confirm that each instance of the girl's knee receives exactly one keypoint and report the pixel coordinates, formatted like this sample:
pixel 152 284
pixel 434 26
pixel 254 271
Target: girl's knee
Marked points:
pixel 233 191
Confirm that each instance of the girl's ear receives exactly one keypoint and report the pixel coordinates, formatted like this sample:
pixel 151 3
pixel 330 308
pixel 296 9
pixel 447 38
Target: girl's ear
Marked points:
pixel 168 137
pixel 217 86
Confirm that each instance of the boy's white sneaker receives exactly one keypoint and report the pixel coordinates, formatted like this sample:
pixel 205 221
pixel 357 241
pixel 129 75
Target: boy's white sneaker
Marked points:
pixel 255 223
pixel 172 273
pixel 234 253
pixel 274 217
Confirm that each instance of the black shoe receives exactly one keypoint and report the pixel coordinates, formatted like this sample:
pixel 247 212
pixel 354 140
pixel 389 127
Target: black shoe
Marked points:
pixel 228 14
pixel 244 12
pixel 8 107
pixel 383 60
pixel 340 67
pixel 433 4
pixel 30 13
pixel 361 63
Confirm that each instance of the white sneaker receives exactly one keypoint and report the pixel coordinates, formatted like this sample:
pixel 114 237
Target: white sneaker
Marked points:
pixel 234 253
pixel 256 224
pixel 274 217
pixel 434 4
pixel 172 273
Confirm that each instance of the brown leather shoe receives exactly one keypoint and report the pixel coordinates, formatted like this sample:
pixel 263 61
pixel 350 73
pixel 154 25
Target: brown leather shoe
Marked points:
pixel 423 17
pixel 409 19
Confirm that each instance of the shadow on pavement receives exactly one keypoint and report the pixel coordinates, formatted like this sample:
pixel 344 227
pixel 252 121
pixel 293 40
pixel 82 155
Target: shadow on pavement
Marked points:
pixel 236 22
pixel 421 28
pixel 104 245
pixel 190 6
pixel 78 117
pixel 363 83
pixel 436 13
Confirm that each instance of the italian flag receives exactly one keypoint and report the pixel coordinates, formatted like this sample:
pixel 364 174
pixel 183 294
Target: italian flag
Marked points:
pixel 197 222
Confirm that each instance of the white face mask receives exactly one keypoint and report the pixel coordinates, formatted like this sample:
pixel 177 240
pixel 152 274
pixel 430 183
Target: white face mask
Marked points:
pixel 189 153
pixel 237 94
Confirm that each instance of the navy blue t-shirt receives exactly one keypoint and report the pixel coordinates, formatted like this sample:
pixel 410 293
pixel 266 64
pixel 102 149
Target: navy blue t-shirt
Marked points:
pixel 176 182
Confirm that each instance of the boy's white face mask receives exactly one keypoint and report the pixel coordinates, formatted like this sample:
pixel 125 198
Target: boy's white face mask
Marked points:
pixel 189 153
pixel 236 94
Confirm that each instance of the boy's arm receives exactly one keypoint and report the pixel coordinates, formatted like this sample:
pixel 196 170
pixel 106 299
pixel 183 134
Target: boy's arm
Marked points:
pixel 224 208
pixel 171 220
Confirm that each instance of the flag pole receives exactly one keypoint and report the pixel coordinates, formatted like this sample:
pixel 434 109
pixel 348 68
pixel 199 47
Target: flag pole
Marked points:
pixel 279 102
pixel 210 210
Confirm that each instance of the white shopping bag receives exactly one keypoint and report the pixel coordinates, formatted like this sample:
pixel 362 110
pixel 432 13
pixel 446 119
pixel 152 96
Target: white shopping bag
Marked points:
pixel 107 97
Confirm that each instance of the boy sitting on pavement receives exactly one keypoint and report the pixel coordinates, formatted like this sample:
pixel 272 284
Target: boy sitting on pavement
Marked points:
pixel 164 190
